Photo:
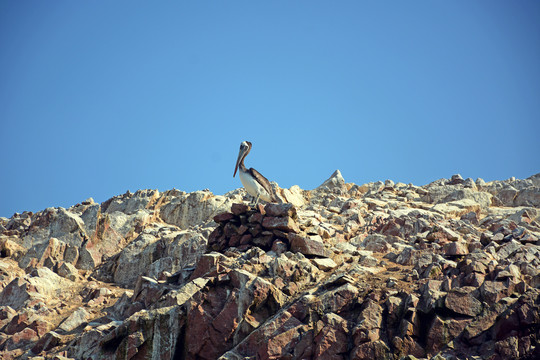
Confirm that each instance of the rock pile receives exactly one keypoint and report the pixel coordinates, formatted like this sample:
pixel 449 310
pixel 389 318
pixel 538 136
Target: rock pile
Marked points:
pixel 268 227
pixel 376 271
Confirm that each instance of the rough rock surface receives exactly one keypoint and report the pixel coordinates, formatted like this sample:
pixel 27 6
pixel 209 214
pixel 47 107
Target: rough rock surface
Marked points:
pixel 375 271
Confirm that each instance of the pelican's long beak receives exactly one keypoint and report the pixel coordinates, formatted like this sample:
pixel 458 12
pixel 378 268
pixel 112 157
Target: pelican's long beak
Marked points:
pixel 240 156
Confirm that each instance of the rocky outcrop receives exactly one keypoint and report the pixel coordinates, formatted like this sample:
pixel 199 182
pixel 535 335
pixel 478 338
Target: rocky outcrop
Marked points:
pixel 375 271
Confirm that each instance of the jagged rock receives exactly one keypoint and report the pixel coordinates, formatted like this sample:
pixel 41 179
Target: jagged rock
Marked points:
pixel 41 284
pixel 21 339
pixel 281 210
pixel 47 342
pixel 456 249
pixel 129 203
pixel 294 196
pixel 331 341
pixel 76 319
pixel 286 224
pixel 334 181
pixel 194 208
pixel 462 301
pixel 369 323
pixel 135 258
pixel 382 270
pixel 325 264
pixel 68 271
pixel 528 197
pixel 311 246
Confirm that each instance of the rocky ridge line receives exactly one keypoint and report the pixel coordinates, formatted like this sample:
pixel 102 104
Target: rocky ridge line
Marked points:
pixel 344 271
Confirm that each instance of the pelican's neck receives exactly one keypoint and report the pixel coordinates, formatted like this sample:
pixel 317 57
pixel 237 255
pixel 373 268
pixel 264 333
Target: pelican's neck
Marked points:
pixel 241 166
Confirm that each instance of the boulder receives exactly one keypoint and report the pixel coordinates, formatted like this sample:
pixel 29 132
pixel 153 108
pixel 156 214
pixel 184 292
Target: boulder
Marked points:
pixel 77 318
pixel 191 209
pixel 310 246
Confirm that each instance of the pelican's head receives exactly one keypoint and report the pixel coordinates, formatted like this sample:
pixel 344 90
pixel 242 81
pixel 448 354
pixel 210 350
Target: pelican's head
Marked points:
pixel 245 147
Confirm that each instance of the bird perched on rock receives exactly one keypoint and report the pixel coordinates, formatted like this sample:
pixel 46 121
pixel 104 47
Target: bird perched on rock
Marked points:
pixel 255 184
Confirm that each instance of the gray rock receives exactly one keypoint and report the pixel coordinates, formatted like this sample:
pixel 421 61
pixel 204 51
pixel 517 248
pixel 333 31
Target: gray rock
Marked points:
pixel 528 197
pixel 324 264
pixel 68 271
pixel 334 181
pixel 194 208
pixel 135 258
pixel 129 203
pixel 73 321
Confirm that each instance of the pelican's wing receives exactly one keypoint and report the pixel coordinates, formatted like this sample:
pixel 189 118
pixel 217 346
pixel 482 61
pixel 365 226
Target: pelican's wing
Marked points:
pixel 264 182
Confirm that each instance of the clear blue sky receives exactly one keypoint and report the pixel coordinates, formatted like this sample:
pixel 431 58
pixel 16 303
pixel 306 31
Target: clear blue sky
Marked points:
pixel 98 97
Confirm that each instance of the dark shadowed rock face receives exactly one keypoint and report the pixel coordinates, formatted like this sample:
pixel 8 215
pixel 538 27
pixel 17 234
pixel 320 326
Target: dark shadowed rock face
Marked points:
pixel 376 271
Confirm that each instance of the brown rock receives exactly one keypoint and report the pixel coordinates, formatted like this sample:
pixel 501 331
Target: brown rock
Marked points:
pixel 230 229
pixel 408 346
pixel 47 342
pixel 223 217
pixel 264 242
pixel 456 248
pixel 238 209
pixel 22 338
pixel 308 246
pixel 462 301
pixel 492 291
pixel 442 332
pixel 215 235
pixel 508 348
pixel 331 341
pixel 147 291
pixel 340 300
pixel 376 350
pixel 280 223
pixel 369 323
pixel 278 338
pixel 17 323
pixel 242 229
pixel 256 218
pixel 281 210
pixel 279 247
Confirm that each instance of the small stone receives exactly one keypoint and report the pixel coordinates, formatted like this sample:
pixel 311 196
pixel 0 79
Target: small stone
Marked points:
pixel 498 237
pixel 324 264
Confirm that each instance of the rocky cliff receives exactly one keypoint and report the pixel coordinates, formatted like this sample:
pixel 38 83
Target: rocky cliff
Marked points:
pixel 375 271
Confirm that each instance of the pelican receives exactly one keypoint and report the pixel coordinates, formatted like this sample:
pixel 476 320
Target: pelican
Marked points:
pixel 256 185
